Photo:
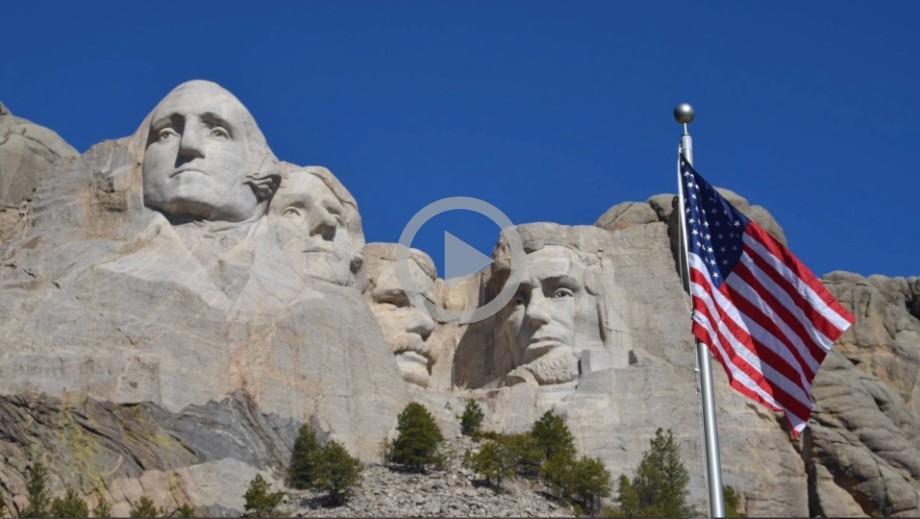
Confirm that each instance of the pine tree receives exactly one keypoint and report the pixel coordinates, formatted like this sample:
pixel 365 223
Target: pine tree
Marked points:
pixel 418 440
pixel 557 474
pixel 71 505
pixel 553 436
pixel 337 473
pixel 303 458
pixel 494 461
pixel 590 481
pixel 260 502
pixel 37 492
pixel 144 508
pixel 471 421
pixel 659 488
pixel 525 452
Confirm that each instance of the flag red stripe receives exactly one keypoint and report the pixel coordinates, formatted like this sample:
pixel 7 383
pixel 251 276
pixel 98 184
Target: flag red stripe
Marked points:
pixel 793 327
pixel 765 342
pixel 770 361
pixel 809 313
pixel 769 383
pixel 814 343
pixel 700 332
pixel 802 273
pixel 703 330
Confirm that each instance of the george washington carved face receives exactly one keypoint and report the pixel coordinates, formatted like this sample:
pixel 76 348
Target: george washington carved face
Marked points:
pixel 203 155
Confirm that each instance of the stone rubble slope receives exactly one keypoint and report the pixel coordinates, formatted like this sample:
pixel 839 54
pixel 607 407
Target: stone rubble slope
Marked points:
pixel 450 492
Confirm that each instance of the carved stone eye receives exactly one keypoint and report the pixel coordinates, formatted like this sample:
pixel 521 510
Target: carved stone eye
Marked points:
pixel 560 293
pixel 219 132
pixel 291 211
pixel 166 133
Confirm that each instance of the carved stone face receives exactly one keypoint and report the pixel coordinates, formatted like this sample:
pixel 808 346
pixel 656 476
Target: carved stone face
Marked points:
pixel 405 326
pixel 196 155
pixel 308 222
pixel 539 325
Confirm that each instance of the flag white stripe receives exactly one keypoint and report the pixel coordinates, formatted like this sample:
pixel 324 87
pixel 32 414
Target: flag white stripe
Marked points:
pixel 768 338
pixel 743 378
pixel 804 290
pixel 786 301
pixel 772 375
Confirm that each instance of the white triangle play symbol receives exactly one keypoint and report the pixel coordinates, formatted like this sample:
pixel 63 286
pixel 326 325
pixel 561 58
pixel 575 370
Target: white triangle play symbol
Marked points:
pixel 461 259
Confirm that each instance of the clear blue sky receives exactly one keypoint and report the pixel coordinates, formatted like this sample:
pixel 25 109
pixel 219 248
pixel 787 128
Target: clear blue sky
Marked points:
pixel 550 111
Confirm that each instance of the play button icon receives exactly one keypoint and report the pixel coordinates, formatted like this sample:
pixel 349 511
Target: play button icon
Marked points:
pixel 460 259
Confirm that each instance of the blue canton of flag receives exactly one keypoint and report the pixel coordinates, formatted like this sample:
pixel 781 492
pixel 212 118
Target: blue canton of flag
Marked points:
pixel 764 316
pixel 715 227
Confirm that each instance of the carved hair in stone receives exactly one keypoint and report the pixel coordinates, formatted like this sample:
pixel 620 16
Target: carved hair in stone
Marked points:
pixel 405 326
pixel 204 157
pixel 558 311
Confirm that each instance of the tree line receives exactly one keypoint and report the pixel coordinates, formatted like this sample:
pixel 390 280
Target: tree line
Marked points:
pixel 546 452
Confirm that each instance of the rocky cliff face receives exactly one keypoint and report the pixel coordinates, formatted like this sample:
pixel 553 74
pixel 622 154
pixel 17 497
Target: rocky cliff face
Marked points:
pixel 158 342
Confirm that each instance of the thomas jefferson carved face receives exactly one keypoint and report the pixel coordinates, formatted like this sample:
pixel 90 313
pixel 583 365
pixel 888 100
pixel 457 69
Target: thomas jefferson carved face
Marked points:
pixel 405 326
pixel 197 155
pixel 308 222
pixel 538 326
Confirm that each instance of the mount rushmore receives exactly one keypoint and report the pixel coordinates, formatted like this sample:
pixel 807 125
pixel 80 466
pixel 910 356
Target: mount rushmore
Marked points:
pixel 176 303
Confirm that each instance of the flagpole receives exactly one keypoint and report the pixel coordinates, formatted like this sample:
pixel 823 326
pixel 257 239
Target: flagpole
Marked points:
pixel 684 114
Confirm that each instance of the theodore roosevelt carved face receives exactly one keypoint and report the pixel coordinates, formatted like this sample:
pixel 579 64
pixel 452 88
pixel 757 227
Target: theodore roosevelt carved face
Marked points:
pixel 405 326
pixel 205 157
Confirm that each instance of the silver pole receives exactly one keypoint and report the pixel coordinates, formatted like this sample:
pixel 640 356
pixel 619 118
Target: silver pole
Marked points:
pixel 683 114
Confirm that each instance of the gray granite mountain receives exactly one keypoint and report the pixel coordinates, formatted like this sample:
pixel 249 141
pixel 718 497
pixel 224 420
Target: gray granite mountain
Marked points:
pixel 176 303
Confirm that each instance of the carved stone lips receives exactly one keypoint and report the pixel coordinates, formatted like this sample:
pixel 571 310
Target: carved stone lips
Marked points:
pixel 541 341
pixel 185 170
pixel 414 357
pixel 540 345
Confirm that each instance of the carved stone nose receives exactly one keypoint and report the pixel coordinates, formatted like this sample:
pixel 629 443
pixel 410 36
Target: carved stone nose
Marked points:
pixel 421 323
pixel 325 225
pixel 536 311
pixel 190 143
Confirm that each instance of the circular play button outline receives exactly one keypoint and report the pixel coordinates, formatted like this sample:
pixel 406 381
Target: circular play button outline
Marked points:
pixel 460 203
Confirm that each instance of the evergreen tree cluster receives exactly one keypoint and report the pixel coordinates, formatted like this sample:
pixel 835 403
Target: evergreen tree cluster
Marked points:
pixel 547 451
pixel 329 468
pixel 260 500
pixel 659 487
pixel 42 505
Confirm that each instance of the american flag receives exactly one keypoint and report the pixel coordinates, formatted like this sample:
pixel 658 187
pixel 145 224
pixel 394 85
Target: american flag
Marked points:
pixel 764 316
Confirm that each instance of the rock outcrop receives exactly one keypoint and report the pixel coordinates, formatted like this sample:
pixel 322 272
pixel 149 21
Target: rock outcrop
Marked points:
pixel 27 154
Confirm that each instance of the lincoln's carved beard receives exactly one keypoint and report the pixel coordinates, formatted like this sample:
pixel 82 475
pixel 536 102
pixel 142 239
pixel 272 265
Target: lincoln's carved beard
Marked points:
pixel 556 367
